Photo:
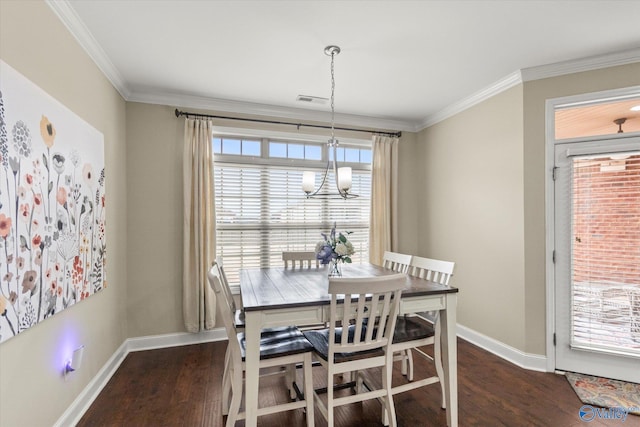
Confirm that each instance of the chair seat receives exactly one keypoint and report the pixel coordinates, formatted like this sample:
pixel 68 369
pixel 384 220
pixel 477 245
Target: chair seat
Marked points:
pixel 411 329
pixel 238 319
pixel 427 315
pixel 320 341
pixel 278 342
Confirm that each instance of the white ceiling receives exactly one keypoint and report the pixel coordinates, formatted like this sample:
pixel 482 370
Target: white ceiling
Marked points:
pixel 404 64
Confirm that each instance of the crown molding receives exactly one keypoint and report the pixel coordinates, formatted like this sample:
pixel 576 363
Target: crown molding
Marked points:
pixel 583 64
pixel 240 107
pixel 501 85
pixel 76 27
pixel 534 73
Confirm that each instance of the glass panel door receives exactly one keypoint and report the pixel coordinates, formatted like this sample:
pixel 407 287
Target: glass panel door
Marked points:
pixel 597 199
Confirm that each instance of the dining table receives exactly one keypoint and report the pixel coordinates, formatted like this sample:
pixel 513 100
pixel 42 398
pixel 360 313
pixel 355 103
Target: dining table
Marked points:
pixel 274 297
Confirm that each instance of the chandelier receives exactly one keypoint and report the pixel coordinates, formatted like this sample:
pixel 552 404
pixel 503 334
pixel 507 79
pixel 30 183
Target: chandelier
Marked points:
pixel 342 174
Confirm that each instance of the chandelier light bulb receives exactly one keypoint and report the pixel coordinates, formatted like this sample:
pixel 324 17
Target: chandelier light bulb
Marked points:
pixel 344 179
pixel 308 181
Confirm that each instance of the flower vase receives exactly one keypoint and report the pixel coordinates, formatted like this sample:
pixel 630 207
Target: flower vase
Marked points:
pixel 334 268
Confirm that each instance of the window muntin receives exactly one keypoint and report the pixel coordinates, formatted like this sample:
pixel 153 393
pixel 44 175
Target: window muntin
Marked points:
pixel 352 155
pixel 236 146
pixel 295 150
pixel 262 211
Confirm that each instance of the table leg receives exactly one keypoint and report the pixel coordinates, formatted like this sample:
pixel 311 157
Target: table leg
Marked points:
pixel 450 358
pixel 252 366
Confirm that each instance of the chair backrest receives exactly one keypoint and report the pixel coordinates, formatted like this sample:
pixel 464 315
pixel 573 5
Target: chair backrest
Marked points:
pixel 300 257
pixel 369 306
pixel 396 262
pixel 225 285
pixel 224 306
pixel 432 269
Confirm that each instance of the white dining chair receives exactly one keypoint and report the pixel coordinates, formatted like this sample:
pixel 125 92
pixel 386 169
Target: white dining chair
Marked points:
pixel 290 259
pixel 399 262
pixel 238 314
pixel 278 347
pixel 423 329
pixel 369 307
pixel 396 261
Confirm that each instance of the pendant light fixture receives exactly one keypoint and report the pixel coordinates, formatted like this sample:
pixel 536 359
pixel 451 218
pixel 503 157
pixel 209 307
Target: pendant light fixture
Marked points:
pixel 620 122
pixel 342 174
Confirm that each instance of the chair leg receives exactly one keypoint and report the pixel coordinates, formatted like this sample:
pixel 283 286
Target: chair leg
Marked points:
pixel 410 363
pixel 403 366
pixel 389 412
pixel 330 399
pixel 226 383
pixel 236 396
pixel 308 389
pixel 437 358
pixel 291 378
pixel 359 382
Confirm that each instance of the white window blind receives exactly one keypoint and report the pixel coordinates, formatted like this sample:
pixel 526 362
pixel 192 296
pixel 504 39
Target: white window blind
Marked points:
pixel 606 254
pixel 261 211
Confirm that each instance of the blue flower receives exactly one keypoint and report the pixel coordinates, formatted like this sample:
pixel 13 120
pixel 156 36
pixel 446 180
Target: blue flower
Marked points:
pixel 334 247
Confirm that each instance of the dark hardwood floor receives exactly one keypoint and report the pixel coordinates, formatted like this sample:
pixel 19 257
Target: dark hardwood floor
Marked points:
pixel 180 386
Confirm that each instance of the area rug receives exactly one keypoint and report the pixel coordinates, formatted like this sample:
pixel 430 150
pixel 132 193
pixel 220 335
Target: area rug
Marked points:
pixel 605 392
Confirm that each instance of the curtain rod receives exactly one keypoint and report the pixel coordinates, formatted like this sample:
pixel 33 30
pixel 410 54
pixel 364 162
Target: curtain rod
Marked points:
pixel 298 125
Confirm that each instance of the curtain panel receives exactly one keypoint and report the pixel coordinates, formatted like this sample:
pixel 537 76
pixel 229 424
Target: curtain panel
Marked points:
pixel 383 230
pixel 199 246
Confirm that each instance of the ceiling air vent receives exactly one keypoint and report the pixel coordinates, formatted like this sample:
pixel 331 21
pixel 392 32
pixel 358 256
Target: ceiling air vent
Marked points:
pixel 312 99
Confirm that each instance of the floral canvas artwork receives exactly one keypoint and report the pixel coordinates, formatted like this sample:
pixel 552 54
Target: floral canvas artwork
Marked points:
pixel 52 206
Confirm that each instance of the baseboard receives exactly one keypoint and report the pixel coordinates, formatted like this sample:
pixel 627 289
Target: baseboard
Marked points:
pixel 532 362
pixel 76 410
pixel 174 340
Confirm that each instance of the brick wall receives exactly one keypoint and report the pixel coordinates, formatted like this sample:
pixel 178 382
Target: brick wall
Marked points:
pixel 606 218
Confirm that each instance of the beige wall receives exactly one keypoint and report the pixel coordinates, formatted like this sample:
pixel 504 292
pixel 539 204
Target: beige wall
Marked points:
pixel 154 228
pixel 471 211
pixel 409 190
pixel 535 95
pixel 33 391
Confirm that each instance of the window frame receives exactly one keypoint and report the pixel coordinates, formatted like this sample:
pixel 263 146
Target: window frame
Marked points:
pixel 264 159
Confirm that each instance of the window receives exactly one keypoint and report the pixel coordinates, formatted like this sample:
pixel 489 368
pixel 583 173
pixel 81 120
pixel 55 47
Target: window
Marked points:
pixel 606 253
pixel 262 211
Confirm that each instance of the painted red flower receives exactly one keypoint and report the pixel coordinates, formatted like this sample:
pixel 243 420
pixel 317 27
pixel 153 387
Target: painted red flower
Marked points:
pixel 36 240
pixel 24 212
pixel 5 225
pixel 29 281
pixel 61 196
pixel 76 276
pixel 37 200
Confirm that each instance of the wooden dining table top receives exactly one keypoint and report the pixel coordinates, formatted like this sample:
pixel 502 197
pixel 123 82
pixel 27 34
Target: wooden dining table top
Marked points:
pixel 276 287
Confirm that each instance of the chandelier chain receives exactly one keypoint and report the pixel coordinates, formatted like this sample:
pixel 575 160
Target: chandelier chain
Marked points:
pixel 333 88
